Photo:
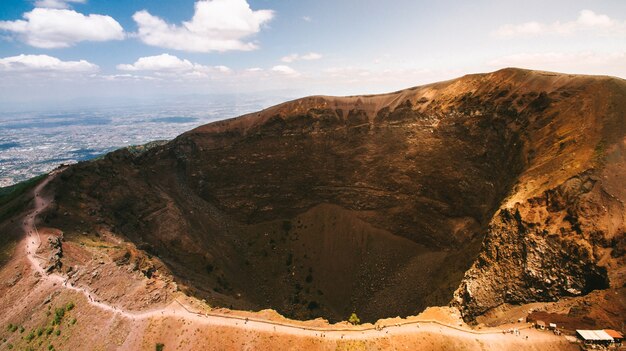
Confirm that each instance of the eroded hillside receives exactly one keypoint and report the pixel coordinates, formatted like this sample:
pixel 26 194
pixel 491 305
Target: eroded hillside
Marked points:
pixel 378 204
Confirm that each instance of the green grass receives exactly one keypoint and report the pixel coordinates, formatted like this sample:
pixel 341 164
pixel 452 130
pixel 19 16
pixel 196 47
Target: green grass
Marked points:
pixel 9 193
pixel 11 204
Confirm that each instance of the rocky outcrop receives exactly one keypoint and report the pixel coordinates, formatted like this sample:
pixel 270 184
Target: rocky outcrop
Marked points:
pixel 546 248
pixel 55 248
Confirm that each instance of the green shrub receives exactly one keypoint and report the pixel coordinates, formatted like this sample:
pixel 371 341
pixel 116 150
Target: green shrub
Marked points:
pixel 10 346
pixel 159 347
pixel 50 347
pixel 58 315
pixel 21 329
pixel 73 321
pixel 49 330
pixel 13 328
pixel 69 306
pixel 57 332
pixel 9 327
pixel 39 331
pixel 30 336
pixel 354 319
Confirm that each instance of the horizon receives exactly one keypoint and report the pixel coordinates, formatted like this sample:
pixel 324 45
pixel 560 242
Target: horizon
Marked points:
pixel 71 53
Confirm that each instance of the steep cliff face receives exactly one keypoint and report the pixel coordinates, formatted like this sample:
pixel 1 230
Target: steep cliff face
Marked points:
pixel 548 247
pixel 322 206
pixel 561 232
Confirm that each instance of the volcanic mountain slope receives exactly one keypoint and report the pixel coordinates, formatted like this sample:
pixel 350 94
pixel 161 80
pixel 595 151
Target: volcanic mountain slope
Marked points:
pixel 505 187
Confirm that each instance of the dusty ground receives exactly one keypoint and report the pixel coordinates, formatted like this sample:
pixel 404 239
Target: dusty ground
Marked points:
pixel 101 319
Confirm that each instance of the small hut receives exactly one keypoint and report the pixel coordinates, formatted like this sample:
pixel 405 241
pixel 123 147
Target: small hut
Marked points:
pixel 594 337
pixel 540 325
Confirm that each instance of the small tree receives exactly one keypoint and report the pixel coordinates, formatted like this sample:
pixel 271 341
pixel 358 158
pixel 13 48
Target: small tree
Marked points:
pixel 159 347
pixel 354 319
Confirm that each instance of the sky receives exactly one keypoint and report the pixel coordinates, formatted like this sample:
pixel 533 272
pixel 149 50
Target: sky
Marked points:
pixel 74 51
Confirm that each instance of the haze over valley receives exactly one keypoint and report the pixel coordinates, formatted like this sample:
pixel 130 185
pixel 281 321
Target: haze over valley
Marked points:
pixel 32 143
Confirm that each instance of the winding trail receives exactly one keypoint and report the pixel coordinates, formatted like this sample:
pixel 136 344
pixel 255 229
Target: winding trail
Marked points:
pixel 179 310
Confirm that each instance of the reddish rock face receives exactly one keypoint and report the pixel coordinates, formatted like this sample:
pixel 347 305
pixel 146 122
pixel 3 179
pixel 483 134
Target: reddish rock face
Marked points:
pixel 380 204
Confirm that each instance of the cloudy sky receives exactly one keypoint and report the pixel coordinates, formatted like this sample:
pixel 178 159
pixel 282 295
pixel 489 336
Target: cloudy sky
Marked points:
pixel 65 50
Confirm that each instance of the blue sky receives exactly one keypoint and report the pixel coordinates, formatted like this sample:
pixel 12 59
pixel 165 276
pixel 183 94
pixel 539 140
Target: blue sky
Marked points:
pixel 72 49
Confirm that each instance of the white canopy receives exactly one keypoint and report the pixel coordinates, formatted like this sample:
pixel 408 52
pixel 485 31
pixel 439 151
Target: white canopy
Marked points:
pixel 594 335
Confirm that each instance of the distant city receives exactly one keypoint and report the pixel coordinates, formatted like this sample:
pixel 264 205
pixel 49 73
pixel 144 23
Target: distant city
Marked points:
pixel 33 143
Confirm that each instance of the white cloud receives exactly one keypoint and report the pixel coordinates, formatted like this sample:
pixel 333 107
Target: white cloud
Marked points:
pixel 254 69
pixel 311 56
pixel 222 69
pixel 217 25
pixel 57 4
pixel 286 70
pixel 296 57
pixel 125 77
pixel 307 19
pixel 587 21
pixel 587 62
pixel 44 63
pixel 163 62
pixel 57 28
pixel 166 64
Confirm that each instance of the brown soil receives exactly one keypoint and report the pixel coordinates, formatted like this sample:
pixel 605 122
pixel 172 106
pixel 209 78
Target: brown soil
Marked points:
pixel 504 187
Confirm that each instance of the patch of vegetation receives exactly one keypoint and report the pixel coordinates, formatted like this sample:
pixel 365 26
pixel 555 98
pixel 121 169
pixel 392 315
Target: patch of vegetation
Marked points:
pixel 159 347
pixel 58 316
pixel 21 329
pixel 30 336
pixel 9 193
pixel 73 321
pixel 57 332
pixel 139 149
pixel 354 319
pixel 10 205
pixel 10 346
pixel 70 306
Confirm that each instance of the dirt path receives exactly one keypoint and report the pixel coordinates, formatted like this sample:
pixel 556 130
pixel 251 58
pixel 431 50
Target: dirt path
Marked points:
pixel 179 310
